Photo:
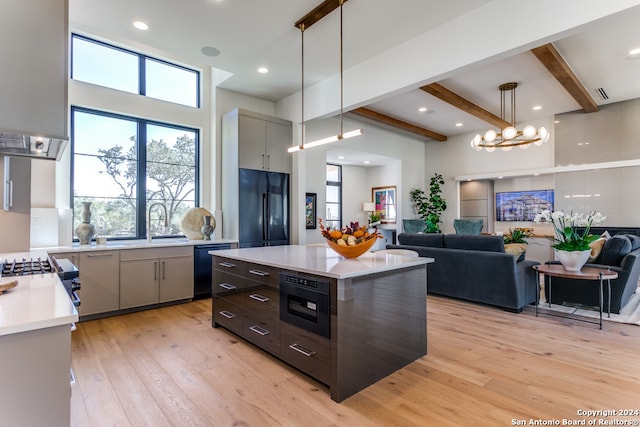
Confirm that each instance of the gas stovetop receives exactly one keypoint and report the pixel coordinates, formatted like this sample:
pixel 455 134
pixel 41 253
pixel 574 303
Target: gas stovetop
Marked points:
pixel 26 267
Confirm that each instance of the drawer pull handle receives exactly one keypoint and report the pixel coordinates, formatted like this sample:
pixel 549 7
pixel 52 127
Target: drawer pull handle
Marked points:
pixel 227 286
pixel 227 264
pixel 301 349
pixel 259 297
pixel 100 255
pixel 258 330
pixel 259 273
pixel 227 314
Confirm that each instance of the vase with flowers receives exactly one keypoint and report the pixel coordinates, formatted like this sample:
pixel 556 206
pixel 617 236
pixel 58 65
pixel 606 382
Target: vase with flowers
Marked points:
pixel 571 245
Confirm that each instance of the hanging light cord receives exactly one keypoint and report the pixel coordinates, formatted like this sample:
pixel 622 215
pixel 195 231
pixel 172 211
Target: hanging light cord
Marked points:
pixel 301 145
pixel 341 78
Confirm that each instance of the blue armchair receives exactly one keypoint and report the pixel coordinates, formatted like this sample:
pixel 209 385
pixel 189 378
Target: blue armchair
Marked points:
pixel 468 226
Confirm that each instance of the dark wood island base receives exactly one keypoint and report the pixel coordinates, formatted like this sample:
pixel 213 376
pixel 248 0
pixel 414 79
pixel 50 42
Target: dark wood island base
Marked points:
pixel 377 311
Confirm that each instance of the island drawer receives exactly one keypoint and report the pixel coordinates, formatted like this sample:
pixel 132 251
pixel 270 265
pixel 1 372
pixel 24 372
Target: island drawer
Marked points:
pixel 229 265
pixel 306 351
pixel 261 300
pixel 263 330
pixel 225 283
pixel 263 274
pixel 227 314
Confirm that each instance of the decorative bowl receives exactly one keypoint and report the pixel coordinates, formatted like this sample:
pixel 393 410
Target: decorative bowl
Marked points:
pixel 352 251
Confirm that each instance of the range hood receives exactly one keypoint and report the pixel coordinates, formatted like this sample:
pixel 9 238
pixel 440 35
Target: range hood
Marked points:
pixel 34 146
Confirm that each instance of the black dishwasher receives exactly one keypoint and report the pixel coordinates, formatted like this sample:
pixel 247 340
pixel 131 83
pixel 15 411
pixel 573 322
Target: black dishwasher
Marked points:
pixel 203 268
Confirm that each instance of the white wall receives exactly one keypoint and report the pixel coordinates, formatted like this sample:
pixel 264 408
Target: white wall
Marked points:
pixel 405 169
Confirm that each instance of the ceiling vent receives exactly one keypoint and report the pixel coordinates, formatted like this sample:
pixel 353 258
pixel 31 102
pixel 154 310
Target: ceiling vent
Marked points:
pixel 602 94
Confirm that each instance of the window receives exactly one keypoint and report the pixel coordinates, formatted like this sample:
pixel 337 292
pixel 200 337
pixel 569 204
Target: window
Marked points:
pixel 123 177
pixel 116 68
pixel 333 218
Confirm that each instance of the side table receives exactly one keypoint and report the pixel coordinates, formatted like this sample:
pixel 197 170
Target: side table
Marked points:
pixel 586 273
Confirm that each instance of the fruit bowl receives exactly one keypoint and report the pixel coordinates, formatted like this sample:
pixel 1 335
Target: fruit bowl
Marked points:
pixel 352 251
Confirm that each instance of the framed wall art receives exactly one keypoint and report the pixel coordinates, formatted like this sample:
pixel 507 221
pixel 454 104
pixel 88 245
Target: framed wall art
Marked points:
pixel 384 199
pixel 310 210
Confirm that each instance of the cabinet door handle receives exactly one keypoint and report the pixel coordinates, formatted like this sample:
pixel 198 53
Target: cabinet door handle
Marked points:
pixel 264 166
pixel 155 270
pixel 302 350
pixel 227 314
pixel 268 161
pixel 227 286
pixel 259 297
pixel 227 264
pixel 163 270
pixel 9 198
pixel 258 330
pixel 259 273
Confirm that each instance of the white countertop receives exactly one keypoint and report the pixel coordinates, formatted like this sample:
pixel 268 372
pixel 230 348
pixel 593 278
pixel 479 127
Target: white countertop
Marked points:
pixel 323 261
pixel 39 301
pixel 136 244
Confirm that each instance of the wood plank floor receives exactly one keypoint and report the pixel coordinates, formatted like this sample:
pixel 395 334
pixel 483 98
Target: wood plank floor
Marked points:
pixel 169 367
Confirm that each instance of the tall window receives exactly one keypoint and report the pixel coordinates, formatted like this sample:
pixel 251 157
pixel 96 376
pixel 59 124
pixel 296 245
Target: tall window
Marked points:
pixel 334 196
pixel 110 66
pixel 124 164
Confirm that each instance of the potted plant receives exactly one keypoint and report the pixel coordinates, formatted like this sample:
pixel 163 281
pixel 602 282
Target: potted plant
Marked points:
pixel 571 246
pixel 515 243
pixel 430 207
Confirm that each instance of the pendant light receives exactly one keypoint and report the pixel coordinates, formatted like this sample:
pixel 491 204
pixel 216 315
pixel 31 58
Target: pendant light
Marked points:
pixel 309 19
pixel 510 136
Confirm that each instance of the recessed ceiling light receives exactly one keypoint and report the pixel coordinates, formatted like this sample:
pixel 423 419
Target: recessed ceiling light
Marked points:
pixel 422 109
pixel 140 25
pixel 556 121
pixel 537 107
pixel 635 51
pixel 263 70
pixel 458 124
pixel 366 162
pixel 500 177
pixel 210 51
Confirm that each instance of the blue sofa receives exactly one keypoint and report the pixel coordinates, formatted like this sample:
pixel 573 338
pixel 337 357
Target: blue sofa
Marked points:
pixel 620 253
pixel 474 268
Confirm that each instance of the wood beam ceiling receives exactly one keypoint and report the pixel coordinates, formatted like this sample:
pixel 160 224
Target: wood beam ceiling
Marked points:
pixel 322 10
pixel 465 105
pixel 549 56
pixel 382 118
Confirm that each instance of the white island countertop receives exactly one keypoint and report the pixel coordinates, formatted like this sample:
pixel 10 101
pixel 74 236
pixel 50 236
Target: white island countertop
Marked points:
pixel 39 301
pixel 323 261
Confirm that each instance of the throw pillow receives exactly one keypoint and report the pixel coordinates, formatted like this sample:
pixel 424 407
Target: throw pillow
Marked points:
pixel 516 249
pixel 614 250
pixel 596 247
pixel 635 241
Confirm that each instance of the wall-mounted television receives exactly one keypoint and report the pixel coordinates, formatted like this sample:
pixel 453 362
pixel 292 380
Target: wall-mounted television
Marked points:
pixel 522 205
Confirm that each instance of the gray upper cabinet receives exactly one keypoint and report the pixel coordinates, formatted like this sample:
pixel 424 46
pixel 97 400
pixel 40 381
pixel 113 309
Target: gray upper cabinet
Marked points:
pixel 260 141
pixel 16 189
pixel 34 67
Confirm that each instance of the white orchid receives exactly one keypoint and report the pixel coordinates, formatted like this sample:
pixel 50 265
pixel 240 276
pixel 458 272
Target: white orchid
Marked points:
pixel 565 226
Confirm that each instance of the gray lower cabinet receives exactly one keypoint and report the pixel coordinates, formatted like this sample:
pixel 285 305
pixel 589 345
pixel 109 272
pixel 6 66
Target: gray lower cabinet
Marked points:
pixel 100 285
pixel 151 276
pixel 99 278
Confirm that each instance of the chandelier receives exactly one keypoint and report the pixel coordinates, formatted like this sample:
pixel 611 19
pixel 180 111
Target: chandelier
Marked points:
pixel 510 136
pixel 305 22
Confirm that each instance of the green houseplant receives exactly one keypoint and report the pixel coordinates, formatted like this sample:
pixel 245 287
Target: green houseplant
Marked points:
pixel 430 207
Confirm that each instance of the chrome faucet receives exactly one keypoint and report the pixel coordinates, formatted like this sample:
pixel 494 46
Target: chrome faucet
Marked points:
pixel 166 224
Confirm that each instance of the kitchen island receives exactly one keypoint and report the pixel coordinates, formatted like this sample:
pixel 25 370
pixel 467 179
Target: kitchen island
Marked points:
pixel 374 322
pixel 35 349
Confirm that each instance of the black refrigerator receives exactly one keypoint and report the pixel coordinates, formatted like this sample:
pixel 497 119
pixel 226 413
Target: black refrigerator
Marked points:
pixel 264 208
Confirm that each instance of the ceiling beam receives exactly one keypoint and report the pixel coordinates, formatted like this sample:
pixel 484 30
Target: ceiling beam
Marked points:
pixel 549 56
pixel 322 10
pixel 465 105
pixel 379 117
